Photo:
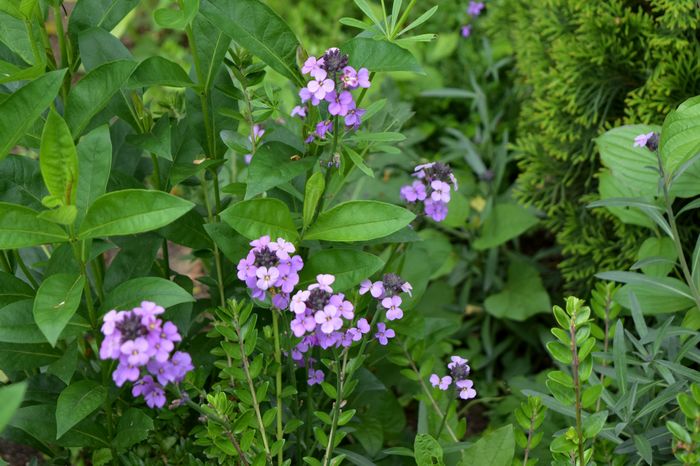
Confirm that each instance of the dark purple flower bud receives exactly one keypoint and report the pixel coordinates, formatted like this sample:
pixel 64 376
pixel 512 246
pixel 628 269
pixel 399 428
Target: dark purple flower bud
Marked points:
pixel 334 60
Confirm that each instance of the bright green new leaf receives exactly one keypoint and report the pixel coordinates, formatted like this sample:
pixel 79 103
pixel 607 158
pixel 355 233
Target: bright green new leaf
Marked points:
pixel 58 159
pixel 131 211
pixel 94 164
pixel 20 228
pixel 427 451
pixel 259 217
pixel 349 266
pixel 76 402
pixel 177 19
pixel 23 107
pixel 359 221
pixel 56 301
pixel 11 396
pixel 662 249
pixel 313 191
pixel 505 222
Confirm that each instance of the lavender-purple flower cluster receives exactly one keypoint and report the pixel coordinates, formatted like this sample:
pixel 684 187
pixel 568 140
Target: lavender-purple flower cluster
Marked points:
pixel 473 10
pixel 432 188
pixel 333 80
pixel 270 267
pixel 459 371
pixel 139 340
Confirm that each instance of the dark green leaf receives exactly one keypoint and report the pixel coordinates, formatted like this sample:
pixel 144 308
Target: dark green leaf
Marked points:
pixel 380 55
pixel 273 166
pixel 94 163
pixel 76 402
pixel 158 290
pixel 58 159
pixel 496 448
pixel 56 301
pixel 313 191
pixel 20 228
pixel 13 289
pixel 22 357
pixel 505 222
pixel 133 428
pixel 349 266
pixel 11 396
pixel 158 71
pixel 259 217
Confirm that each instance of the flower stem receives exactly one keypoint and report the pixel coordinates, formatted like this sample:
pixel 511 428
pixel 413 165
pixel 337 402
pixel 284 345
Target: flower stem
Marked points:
pixel 336 410
pixel 278 383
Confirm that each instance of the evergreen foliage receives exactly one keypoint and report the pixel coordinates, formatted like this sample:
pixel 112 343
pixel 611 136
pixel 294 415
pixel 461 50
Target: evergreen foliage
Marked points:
pixel 583 67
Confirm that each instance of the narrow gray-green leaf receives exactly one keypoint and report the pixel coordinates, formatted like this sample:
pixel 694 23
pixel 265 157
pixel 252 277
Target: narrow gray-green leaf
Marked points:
pixel 619 357
pixel 20 228
pixel 56 301
pixel 131 211
pixel 21 109
pixel 76 402
pixel 359 221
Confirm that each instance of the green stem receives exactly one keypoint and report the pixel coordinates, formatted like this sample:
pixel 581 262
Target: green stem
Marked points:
pixel 5 263
pixel 577 387
pixel 336 409
pixel 25 269
pixel 403 19
pixel 97 266
pixel 217 254
pixel 278 383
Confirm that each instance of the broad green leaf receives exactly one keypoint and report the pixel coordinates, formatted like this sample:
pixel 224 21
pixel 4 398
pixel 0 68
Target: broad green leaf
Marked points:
pixel 349 266
pixel 496 448
pixel 523 295
pixel 158 290
pixel 20 228
pixel 177 19
pixel 131 211
pixel 133 428
pixel 158 71
pixel 20 182
pixel 505 222
pixel 94 164
pixel 212 45
pixel 76 402
pixel 105 14
pixel 11 396
pixel 58 159
pixel 380 55
pixel 622 201
pixel 13 289
pixel 63 215
pixel 254 26
pixel 98 46
pixel 259 217
pixel 427 451
pixel 17 324
pixel 56 301
pixel 664 285
pixel 359 221
pixel 679 140
pixel 652 301
pixel 21 109
pixel 65 367
pixel 188 230
pixel 157 142
pixel 663 248
pixel 234 246
pixel 272 166
pixel 313 191
pixel 13 34
pixel 94 91
pixel 20 357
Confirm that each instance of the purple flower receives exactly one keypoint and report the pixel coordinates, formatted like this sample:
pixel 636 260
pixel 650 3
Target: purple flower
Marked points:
pixel 392 304
pixel 305 95
pixel 354 116
pixel 151 392
pixel 328 319
pixel 298 305
pixel 474 8
pixel 466 30
pixel 339 104
pixel 376 289
pixel 353 79
pixel 443 383
pixel 643 139
pixel 266 277
pixel 363 326
pixel 441 191
pixel 465 389
pixel 456 361
pixel 314 67
pixel 315 377
pixel 299 110
pixel 384 334
pixel 125 372
pixel 281 300
pixel 435 210
pixel 319 88
pixel 323 127
pixel 110 321
pixel 181 365
pixel 136 351
pixel 324 282
pixel 414 192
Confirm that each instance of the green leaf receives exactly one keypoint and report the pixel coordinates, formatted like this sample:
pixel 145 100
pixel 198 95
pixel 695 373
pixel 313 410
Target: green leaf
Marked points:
pixel 349 266
pixel 619 357
pixel 522 297
pixel 177 19
pixel 505 222
pixel 158 71
pixel 13 289
pixel 233 245
pixel 58 159
pixel 133 428
pixel 418 21
pixel 679 432
pixel 22 357
pixel 94 164
pixel 560 352
pixel 259 217
pixel 11 396
pixel 358 162
pixel 273 166
pixel 258 29
pixel 663 248
pixel 98 46
pixel 131 211
pixel 379 55
pixel 662 285
pixel 158 290
pixel 679 136
pixel 20 228
pixel 594 423
pixel 21 109
pixel 496 448
pixel 94 91
pixel 56 301
pixel 313 191
pixel 105 14
pixel 367 10
pixel 76 402
pixel 359 221
pixel 427 451
pixel 621 201
pixel 157 142
pixel 652 301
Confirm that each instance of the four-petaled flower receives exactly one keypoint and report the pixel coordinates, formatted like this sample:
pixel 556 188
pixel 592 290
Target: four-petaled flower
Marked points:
pixel 465 389
pixel 443 383
pixel 266 277
pixel 391 304
pixel 384 334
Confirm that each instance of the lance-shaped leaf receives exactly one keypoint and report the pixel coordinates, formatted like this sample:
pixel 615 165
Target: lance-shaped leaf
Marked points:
pixel 58 159
pixel 56 301
pixel 20 228
pixel 76 402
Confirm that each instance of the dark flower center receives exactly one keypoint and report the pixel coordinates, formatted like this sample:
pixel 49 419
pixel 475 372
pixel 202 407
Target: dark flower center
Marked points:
pixel 131 327
pixel 334 61
pixel 392 284
pixel 265 258
pixel 318 299
pixel 460 372
pixel 439 171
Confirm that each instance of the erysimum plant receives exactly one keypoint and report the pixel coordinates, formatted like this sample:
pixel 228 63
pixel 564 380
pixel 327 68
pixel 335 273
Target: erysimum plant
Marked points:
pixel 112 163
